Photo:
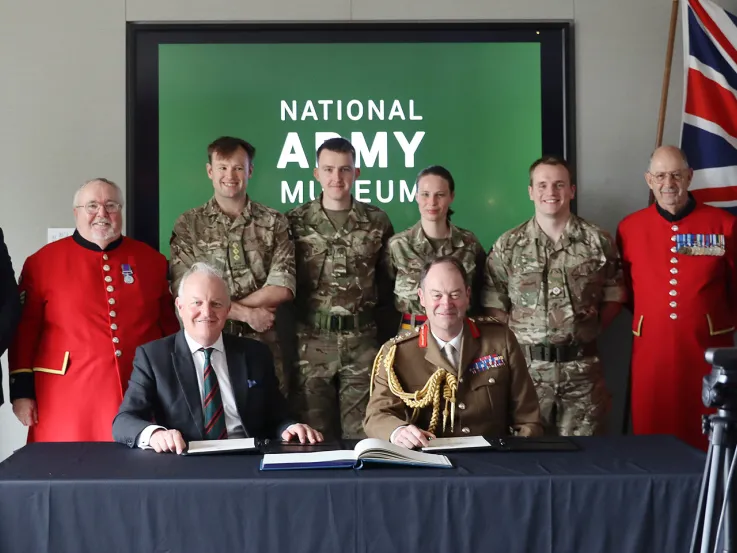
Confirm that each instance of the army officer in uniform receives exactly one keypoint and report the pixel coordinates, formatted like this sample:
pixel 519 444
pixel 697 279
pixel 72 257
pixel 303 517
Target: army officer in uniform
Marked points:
pixel 450 376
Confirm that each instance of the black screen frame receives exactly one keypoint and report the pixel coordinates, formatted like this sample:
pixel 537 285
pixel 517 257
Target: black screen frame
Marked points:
pixel 143 40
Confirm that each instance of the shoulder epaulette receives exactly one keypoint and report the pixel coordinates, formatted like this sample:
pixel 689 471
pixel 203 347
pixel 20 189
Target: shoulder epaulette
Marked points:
pixel 406 335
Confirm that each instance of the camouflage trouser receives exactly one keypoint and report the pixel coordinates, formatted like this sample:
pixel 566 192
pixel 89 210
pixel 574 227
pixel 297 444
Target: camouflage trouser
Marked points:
pixel 331 384
pixel 574 400
pixel 270 339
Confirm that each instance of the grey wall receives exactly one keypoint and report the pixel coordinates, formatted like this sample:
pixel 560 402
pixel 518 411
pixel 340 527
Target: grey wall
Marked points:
pixel 62 103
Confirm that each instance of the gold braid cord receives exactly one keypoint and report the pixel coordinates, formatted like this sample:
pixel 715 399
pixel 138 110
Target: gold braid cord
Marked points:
pixel 440 384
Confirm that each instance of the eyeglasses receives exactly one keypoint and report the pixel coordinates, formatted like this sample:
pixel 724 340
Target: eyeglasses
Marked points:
pixel 677 176
pixel 94 207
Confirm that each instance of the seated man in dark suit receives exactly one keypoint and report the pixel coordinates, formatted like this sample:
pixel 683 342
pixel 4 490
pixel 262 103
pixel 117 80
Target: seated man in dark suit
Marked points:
pixel 201 384
pixel 9 303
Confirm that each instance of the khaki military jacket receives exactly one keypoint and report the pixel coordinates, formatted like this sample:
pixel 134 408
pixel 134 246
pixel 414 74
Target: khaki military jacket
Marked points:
pixel 495 396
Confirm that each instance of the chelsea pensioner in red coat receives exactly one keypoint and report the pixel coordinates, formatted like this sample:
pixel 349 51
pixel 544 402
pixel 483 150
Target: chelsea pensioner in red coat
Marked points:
pixel 89 301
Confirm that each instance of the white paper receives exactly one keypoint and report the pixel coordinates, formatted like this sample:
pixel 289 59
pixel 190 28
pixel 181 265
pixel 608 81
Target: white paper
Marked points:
pixel 57 233
pixel 466 442
pixel 219 446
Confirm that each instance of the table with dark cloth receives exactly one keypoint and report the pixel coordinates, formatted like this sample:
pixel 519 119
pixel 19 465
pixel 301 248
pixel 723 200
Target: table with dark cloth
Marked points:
pixel 618 494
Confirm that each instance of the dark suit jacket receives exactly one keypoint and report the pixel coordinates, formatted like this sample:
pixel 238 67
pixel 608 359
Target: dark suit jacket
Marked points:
pixel 163 390
pixel 9 303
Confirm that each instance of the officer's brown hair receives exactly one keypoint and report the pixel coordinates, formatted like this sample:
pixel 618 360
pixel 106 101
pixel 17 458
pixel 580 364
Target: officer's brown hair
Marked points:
pixel 443 259
pixel 226 146
pixel 443 173
pixel 551 160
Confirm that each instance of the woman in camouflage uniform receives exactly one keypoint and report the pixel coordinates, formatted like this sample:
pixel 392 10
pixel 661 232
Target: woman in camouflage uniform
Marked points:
pixel 433 236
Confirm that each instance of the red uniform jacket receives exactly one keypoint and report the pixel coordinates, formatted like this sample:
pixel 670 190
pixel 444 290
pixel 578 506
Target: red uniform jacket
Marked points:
pixel 79 328
pixel 682 305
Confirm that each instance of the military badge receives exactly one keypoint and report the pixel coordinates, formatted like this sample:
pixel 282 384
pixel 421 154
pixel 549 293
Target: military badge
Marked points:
pixel 236 255
pixel 700 244
pixel 236 251
pixel 485 363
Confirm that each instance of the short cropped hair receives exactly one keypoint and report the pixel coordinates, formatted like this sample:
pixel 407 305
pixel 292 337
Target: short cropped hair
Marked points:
pixel 200 267
pixel 679 150
pixel 338 144
pixel 118 191
pixel 551 160
pixel 226 146
pixel 449 259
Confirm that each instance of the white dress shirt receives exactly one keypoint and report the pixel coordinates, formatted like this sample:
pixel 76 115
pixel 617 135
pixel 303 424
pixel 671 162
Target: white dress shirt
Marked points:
pixel 220 365
pixel 456 342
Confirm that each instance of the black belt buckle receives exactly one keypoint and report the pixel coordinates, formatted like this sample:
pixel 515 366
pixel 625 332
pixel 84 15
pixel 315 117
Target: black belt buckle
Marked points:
pixel 335 323
pixel 561 354
pixel 541 352
pixel 549 353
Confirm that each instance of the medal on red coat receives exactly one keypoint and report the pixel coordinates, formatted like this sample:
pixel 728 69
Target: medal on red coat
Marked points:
pixel 700 244
pixel 127 273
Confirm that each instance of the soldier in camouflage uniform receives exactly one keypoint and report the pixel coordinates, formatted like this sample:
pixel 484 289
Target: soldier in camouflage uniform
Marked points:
pixel 342 283
pixel 557 280
pixel 248 242
pixel 433 236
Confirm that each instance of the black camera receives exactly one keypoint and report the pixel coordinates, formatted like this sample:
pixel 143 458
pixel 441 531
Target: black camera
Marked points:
pixel 719 387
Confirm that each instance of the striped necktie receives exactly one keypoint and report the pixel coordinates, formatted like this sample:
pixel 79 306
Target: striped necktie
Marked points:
pixel 213 414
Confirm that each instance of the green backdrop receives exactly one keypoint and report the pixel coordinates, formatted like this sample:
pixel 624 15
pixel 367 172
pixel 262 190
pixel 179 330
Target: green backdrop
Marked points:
pixel 478 105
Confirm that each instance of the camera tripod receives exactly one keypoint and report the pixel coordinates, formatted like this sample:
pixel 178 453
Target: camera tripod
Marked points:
pixel 715 522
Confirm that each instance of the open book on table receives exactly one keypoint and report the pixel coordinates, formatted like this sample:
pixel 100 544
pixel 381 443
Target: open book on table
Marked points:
pixel 204 447
pixel 369 450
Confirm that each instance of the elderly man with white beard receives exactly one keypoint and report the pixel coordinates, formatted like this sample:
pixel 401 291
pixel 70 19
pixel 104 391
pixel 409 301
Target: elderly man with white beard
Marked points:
pixel 88 301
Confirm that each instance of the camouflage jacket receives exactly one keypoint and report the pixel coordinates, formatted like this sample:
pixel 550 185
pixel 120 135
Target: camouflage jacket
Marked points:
pixel 252 251
pixel 340 271
pixel 553 292
pixel 409 250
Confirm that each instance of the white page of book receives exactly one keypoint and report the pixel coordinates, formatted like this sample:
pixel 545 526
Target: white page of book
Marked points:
pixel 372 448
pixel 310 457
pixel 215 446
pixel 465 442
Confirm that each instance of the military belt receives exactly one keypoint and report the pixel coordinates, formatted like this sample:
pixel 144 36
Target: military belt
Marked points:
pixel 560 353
pixel 339 323
pixel 238 328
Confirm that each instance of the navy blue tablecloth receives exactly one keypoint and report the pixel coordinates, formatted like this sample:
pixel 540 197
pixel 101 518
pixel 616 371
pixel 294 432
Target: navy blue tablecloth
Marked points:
pixel 619 495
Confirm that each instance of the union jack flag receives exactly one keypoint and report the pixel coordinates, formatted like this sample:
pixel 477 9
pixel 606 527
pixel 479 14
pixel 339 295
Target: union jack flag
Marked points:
pixel 709 132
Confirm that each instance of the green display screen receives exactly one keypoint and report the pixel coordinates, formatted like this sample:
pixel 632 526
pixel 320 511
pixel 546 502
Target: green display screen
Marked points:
pixel 476 107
